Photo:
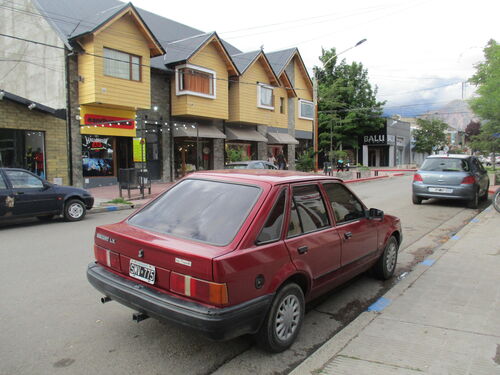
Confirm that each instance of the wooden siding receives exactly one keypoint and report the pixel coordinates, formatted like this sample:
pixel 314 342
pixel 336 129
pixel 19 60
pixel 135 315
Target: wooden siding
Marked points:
pixel 304 91
pixel 122 35
pixel 190 105
pixel 243 99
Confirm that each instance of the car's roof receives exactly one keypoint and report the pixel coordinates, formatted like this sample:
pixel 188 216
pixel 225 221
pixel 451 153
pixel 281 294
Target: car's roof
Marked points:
pixel 270 176
pixel 453 156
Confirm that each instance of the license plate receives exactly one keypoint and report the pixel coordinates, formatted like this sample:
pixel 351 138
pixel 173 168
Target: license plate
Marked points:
pixel 440 190
pixel 142 271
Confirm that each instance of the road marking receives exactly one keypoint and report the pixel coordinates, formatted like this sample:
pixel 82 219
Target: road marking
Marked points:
pixel 428 262
pixel 381 304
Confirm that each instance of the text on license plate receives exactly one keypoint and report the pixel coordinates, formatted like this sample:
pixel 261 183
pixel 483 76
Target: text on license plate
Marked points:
pixel 142 271
pixel 440 190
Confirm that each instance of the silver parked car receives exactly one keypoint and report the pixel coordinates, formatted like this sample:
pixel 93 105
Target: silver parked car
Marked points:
pixel 451 177
pixel 251 164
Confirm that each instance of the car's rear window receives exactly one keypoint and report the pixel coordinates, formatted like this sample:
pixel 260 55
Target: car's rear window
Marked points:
pixel 445 165
pixel 200 210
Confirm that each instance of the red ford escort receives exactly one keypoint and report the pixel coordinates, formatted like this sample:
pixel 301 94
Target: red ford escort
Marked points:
pixel 240 252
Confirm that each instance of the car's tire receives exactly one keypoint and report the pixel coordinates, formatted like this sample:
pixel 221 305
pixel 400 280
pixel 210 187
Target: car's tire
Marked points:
pixel 386 264
pixel 474 202
pixel 74 210
pixel 485 195
pixel 283 320
pixel 45 217
pixel 416 200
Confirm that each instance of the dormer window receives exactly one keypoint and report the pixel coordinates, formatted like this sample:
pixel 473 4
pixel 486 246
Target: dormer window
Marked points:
pixel 265 97
pixel 194 80
pixel 122 65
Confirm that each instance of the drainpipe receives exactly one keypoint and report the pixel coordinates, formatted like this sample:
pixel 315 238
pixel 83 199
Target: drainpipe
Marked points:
pixel 67 54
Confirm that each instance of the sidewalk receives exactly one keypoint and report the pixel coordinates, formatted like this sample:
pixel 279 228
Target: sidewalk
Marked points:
pixel 443 318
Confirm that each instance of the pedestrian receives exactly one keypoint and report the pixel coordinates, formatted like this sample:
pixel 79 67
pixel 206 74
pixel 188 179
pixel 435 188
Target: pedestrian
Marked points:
pixel 327 168
pixel 271 159
pixel 340 165
pixel 347 165
pixel 281 160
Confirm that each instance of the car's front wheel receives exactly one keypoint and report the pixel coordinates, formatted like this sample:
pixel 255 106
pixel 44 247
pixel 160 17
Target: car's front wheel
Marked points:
pixel 74 210
pixel 284 319
pixel 386 264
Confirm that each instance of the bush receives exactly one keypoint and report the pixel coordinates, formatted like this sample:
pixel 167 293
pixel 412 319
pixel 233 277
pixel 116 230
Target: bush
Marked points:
pixel 305 161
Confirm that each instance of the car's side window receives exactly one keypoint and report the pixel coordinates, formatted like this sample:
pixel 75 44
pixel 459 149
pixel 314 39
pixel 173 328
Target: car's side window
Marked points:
pixel 274 223
pixel 23 180
pixel 345 205
pixel 3 185
pixel 308 211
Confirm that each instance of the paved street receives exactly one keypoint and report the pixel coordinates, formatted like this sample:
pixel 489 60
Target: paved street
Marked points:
pixel 51 318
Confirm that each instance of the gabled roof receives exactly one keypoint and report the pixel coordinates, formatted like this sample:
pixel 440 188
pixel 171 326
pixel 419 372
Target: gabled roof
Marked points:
pixel 184 49
pixel 280 60
pixel 78 17
pixel 244 60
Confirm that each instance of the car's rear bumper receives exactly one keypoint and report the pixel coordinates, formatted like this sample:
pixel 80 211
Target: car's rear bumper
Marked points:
pixel 215 323
pixel 465 192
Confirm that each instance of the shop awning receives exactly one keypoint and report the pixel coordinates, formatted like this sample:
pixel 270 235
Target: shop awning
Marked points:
pixel 281 139
pixel 204 131
pixel 244 134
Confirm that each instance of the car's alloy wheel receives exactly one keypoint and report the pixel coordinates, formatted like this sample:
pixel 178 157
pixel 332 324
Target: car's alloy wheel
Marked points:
pixel 284 319
pixel 74 210
pixel 386 264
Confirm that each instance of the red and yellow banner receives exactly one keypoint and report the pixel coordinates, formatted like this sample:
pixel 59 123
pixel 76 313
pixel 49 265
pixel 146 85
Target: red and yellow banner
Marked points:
pixel 107 121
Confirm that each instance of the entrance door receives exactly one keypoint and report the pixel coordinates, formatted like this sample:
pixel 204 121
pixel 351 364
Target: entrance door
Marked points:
pixel 153 151
pixel 124 154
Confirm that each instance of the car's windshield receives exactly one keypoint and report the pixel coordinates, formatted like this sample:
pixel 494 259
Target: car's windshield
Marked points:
pixel 201 210
pixel 445 165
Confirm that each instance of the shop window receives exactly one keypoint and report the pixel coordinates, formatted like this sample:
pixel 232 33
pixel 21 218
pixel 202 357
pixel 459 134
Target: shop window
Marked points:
pixel 265 97
pixel 23 149
pixel 195 81
pixel 306 110
pixel 122 65
pixel 97 156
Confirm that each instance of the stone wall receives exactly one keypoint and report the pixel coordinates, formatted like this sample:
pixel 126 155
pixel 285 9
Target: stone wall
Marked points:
pixel 18 116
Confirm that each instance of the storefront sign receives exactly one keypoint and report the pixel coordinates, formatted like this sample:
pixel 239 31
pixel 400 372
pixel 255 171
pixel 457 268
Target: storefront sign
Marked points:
pixel 139 146
pixel 108 121
pixel 375 139
pixel 99 120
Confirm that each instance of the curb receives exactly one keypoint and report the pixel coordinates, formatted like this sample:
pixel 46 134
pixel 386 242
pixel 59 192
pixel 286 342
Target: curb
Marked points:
pixel 364 179
pixel 317 361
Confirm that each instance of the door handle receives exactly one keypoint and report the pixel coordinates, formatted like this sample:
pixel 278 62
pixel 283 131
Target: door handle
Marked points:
pixel 302 249
pixel 347 235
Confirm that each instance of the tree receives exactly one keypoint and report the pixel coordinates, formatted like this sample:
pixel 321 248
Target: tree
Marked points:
pixel 430 135
pixel 487 104
pixel 347 104
pixel 472 129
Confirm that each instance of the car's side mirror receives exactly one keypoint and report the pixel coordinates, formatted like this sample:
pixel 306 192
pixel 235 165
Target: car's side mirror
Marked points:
pixel 374 213
pixel 46 185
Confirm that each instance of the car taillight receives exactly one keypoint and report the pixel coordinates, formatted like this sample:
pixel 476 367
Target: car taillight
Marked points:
pixel 205 291
pixel 417 178
pixel 469 180
pixel 107 257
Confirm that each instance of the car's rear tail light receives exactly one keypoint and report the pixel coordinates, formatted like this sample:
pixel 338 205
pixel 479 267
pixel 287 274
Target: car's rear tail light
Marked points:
pixel 107 257
pixel 417 178
pixel 205 291
pixel 469 180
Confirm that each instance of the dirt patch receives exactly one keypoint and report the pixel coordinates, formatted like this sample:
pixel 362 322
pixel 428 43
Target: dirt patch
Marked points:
pixel 420 254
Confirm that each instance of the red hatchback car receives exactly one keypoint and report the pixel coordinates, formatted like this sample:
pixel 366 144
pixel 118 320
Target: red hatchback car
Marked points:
pixel 238 252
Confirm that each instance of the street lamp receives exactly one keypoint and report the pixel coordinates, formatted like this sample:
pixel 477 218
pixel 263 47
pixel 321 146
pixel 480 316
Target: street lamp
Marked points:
pixel 315 101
